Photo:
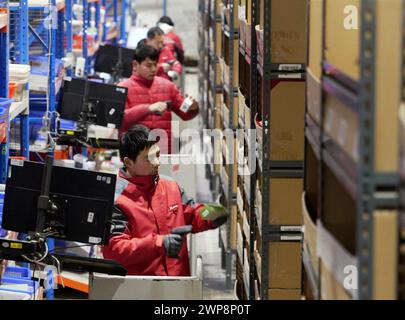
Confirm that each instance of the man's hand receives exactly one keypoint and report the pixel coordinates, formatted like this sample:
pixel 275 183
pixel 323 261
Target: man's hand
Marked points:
pixel 219 221
pixel 194 108
pixel 158 107
pixel 166 67
pixel 173 244
pixel 173 75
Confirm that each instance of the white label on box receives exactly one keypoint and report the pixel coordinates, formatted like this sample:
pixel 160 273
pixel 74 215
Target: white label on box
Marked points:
pixel 90 217
pixel 291 228
pixel 289 67
pixel 291 238
pixel 16 162
pixel 112 111
pixel 290 76
pixel 94 240
pixel 342 132
pixel 111 125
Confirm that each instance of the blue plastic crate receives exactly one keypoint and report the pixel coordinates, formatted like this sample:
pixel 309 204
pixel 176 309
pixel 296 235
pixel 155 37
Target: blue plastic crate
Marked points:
pixel 31 283
pixel 17 272
pixel 5 103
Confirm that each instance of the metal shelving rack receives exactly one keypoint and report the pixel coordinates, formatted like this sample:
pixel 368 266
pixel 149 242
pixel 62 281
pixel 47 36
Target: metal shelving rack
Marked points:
pixel 18 110
pixel 372 192
pixel 262 232
pixel 246 191
pixel 229 120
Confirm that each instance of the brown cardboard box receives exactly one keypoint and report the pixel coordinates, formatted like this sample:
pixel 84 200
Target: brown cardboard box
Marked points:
pixel 315 37
pixel 342 51
pixel 284 294
pixel 288 31
pixel 314 93
pixel 342 45
pixel 310 235
pixel 385 253
pixel 388 86
pixel 284 265
pixel 287 120
pixel 330 288
pixel 341 124
pixel 285 201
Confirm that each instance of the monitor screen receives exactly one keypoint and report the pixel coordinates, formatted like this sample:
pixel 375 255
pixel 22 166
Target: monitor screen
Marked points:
pixel 84 199
pixel 107 58
pixel 108 101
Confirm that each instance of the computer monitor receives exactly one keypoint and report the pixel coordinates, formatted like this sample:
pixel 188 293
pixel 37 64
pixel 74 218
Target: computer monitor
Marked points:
pixel 107 101
pixel 108 60
pixel 84 200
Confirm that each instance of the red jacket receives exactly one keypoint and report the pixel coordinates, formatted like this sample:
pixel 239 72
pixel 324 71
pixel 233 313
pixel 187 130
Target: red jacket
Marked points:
pixel 152 207
pixel 174 38
pixel 141 94
pixel 166 56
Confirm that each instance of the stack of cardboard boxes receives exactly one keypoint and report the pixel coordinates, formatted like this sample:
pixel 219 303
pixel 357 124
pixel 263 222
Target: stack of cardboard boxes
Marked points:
pixel 280 238
pixel 333 92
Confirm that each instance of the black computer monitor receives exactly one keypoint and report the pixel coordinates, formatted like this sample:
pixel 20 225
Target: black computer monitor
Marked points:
pixel 108 56
pixel 108 102
pixel 84 200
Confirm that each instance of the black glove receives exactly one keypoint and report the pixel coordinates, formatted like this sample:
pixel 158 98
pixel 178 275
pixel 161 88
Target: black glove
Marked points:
pixel 173 244
pixel 219 221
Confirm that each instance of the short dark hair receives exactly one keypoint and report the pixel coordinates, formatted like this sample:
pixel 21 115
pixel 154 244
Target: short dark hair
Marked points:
pixel 143 51
pixel 167 20
pixel 153 32
pixel 134 141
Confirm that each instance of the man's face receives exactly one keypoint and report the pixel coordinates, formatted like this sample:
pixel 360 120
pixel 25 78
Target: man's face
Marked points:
pixel 146 69
pixel 147 163
pixel 157 42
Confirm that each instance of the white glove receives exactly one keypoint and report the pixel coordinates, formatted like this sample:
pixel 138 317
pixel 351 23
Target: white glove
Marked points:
pixel 173 75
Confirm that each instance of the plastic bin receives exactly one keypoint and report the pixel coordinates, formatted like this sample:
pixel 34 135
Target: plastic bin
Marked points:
pixel 12 295
pixel 19 73
pixel 17 272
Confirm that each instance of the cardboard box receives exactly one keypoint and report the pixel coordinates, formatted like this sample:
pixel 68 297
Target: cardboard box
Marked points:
pixel 314 96
pixel 287 120
pixel 342 45
pixel 289 31
pixel 388 85
pixel 342 125
pixel 315 37
pixel 285 201
pixel 310 235
pixel 385 252
pixel 339 214
pixel 284 265
pixel 286 294
pixel 330 288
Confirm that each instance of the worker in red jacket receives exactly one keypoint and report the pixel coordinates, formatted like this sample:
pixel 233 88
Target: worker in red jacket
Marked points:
pixel 151 99
pixel 168 66
pixel 172 40
pixel 147 209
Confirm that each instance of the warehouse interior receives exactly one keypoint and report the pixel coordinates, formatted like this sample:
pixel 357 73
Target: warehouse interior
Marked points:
pixel 283 176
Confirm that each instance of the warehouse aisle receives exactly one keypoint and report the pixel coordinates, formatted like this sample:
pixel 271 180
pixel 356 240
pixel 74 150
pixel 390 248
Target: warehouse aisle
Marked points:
pixel 207 242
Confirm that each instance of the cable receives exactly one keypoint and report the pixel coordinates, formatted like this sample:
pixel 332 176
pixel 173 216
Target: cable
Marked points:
pixel 42 258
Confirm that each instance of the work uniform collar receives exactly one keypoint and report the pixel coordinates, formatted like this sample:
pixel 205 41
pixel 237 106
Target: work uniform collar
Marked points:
pixel 142 183
pixel 138 78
